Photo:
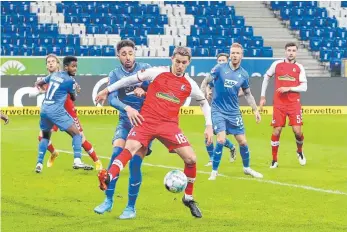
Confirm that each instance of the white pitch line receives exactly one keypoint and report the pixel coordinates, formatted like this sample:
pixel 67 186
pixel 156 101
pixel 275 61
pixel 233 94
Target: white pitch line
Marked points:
pixel 238 178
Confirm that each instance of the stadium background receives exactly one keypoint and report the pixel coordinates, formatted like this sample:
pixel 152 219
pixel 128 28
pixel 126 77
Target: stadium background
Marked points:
pixel 31 30
pixel 291 199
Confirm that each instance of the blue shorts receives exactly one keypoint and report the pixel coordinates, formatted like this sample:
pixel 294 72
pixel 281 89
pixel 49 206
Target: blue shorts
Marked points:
pixel 122 131
pixel 230 124
pixel 61 118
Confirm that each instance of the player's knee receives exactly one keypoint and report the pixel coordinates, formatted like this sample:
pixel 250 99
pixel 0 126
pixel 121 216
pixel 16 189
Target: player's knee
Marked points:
pixel 221 140
pixel 277 131
pixel 298 135
pixel 243 142
pixel 190 159
pixel 46 134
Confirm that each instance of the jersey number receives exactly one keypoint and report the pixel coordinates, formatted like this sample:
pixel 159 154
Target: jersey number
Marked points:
pixel 181 138
pixel 298 118
pixel 239 121
pixel 51 90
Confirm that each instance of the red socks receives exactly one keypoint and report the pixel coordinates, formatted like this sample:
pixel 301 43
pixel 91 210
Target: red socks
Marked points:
pixel 190 171
pixel 88 147
pixel 300 142
pixel 275 143
pixel 119 163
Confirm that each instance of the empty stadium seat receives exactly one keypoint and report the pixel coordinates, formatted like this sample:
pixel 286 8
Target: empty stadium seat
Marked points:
pixel 85 28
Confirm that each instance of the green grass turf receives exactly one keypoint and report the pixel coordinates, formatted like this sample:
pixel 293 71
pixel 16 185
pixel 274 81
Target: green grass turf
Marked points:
pixel 62 199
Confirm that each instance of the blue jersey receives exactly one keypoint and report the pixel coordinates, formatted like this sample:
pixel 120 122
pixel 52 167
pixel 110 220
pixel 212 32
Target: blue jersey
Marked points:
pixel 227 83
pixel 126 95
pixel 59 85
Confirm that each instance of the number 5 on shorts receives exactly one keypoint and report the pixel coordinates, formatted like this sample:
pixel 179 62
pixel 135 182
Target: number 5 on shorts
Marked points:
pixel 181 138
pixel 298 118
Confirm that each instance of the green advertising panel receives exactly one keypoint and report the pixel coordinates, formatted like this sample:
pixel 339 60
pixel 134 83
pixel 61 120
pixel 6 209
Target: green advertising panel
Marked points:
pixel 256 67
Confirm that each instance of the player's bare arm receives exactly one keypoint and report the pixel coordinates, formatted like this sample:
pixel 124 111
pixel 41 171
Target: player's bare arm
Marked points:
pixel 40 83
pixel 204 84
pixel 5 118
pixel 251 101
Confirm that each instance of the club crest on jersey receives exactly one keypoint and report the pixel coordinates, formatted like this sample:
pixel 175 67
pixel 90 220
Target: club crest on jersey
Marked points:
pixel 230 83
pixel 183 87
pixel 286 78
pixel 168 97
pixel 294 69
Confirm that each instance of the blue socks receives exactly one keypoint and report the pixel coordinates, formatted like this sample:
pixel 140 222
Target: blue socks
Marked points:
pixel 135 180
pixel 111 187
pixel 217 155
pixel 245 155
pixel 77 146
pixel 210 149
pixel 228 144
pixel 42 150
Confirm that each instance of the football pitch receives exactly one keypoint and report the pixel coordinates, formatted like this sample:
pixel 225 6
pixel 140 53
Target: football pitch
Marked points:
pixel 289 198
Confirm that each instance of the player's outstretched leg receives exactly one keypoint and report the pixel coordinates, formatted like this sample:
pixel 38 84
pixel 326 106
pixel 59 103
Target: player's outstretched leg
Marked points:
pixel 209 149
pixel 232 150
pixel 107 204
pixel 88 147
pixel 135 181
pixel 118 164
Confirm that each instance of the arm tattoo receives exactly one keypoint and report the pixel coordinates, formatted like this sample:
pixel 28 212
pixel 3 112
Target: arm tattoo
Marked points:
pixel 205 82
pixel 250 99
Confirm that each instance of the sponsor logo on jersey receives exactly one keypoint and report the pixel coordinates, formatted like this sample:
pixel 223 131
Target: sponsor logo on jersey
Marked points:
pixel 130 89
pixel 168 97
pixel 286 78
pixel 230 83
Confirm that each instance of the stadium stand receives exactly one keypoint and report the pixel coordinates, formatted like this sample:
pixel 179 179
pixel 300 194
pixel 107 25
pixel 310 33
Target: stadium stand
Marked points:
pixel 321 27
pixel 88 28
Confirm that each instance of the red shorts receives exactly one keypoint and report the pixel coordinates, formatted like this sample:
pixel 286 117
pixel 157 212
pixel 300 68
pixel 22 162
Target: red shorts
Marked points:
pixel 168 133
pixel 280 114
pixel 73 114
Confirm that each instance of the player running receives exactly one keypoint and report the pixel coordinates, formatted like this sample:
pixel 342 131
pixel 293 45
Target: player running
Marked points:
pixel 168 91
pixel 206 87
pixel 228 78
pixel 53 112
pixel 126 102
pixel 290 81
pixel 4 118
pixel 53 64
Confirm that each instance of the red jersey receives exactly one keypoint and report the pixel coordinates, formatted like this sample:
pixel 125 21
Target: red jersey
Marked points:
pixel 165 95
pixel 286 75
pixel 69 104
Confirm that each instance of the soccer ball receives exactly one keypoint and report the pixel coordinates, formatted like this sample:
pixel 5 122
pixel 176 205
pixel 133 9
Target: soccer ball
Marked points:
pixel 175 181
